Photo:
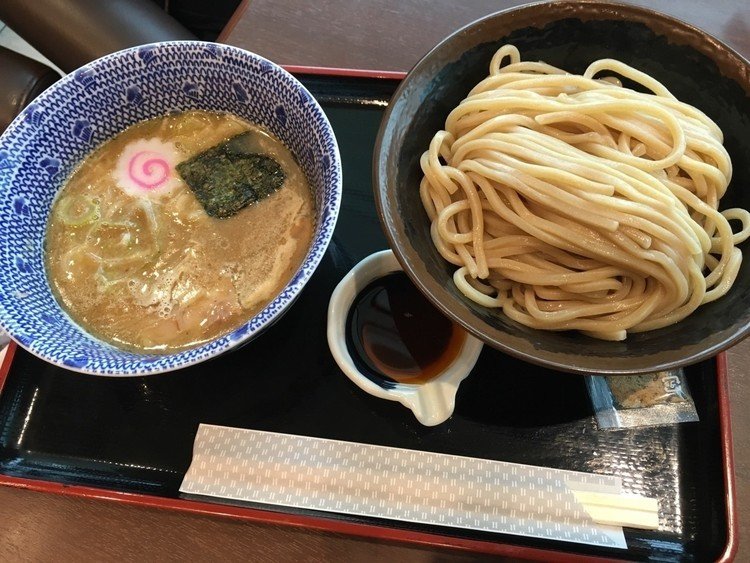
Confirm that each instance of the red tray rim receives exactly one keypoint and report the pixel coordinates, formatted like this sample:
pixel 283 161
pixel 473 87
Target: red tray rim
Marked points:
pixel 372 531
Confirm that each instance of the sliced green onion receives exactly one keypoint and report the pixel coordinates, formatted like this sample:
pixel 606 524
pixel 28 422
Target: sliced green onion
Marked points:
pixel 78 210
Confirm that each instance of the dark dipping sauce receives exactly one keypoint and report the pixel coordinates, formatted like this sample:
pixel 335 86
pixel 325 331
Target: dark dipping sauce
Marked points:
pixel 396 335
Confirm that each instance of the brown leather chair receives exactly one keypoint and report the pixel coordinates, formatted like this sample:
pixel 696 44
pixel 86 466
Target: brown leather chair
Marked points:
pixel 71 33
pixel 21 80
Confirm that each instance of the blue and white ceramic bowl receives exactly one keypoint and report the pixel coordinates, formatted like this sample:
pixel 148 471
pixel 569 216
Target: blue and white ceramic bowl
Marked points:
pixel 43 145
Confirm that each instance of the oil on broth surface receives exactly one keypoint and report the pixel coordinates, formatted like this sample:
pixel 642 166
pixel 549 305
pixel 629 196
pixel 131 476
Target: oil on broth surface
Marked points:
pixel 149 270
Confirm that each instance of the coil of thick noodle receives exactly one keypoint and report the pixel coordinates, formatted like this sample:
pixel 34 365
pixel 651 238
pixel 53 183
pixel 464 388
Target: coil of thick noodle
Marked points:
pixel 573 203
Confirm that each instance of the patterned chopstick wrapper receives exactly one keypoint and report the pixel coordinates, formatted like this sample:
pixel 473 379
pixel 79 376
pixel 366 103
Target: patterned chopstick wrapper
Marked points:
pixel 397 484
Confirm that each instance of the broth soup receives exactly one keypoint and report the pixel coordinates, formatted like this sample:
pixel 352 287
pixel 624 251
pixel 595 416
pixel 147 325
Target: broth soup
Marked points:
pixel 178 230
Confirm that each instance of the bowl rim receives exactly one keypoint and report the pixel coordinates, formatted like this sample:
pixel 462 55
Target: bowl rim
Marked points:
pixel 294 286
pixel 708 46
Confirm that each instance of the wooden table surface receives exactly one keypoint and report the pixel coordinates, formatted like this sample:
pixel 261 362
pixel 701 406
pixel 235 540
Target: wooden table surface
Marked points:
pixel 389 35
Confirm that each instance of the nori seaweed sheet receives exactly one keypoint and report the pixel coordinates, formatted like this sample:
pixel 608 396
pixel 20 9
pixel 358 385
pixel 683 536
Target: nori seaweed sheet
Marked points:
pixel 227 178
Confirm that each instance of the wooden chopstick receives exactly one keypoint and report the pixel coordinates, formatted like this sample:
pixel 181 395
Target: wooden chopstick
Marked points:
pixel 620 510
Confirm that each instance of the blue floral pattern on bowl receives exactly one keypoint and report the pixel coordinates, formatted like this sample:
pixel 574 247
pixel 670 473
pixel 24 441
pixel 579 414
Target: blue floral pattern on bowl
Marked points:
pixel 45 143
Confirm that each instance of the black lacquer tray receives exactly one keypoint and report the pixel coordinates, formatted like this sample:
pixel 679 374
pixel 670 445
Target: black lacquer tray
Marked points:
pixel 130 439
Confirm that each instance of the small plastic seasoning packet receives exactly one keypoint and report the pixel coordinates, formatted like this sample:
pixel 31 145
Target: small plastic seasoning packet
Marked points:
pixel 653 399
